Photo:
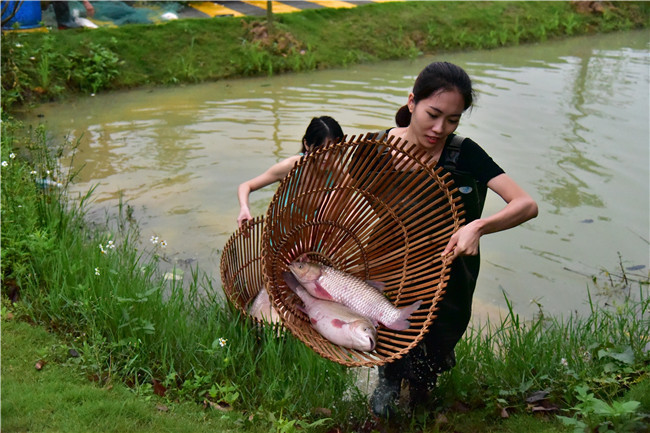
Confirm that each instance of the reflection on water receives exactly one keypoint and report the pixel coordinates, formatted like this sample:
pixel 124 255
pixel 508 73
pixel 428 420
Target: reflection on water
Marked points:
pixel 568 120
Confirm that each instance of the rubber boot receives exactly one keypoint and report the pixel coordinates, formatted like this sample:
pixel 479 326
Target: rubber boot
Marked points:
pixel 383 401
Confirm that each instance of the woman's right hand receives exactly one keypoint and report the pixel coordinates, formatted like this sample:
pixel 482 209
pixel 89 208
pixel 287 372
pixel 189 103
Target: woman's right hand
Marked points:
pixel 244 215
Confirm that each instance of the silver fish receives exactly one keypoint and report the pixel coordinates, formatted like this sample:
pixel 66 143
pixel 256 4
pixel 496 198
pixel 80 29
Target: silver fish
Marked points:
pixel 262 309
pixel 330 284
pixel 334 321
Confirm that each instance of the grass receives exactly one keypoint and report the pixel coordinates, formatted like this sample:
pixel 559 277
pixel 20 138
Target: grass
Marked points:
pixel 45 66
pixel 130 324
pixel 127 324
pixel 59 397
pixel 143 342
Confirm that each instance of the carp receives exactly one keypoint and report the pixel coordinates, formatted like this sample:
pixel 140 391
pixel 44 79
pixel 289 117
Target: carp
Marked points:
pixel 365 298
pixel 334 321
pixel 262 309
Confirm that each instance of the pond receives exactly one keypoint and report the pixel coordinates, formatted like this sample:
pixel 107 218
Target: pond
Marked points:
pixel 568 120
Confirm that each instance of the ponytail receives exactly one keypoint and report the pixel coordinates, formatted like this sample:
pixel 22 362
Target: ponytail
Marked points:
pixel 403 116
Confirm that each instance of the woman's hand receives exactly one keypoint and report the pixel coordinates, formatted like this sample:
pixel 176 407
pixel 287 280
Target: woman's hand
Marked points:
pixel 465 241
pixel 520 207
pixel 244 215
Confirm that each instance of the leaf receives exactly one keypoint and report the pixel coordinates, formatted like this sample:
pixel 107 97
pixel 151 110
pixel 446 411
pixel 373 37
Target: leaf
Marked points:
pixel 536 396
pixel 217 406
pixel 602 408
pixel 626 357
pixel 549 408
pixel 158 388
pixel 626 407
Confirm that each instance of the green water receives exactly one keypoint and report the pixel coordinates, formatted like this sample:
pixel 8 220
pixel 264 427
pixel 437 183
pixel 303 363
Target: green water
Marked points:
pixel 569 121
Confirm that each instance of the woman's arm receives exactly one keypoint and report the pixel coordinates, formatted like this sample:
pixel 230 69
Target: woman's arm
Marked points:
pixel 275 173
pixel 520 207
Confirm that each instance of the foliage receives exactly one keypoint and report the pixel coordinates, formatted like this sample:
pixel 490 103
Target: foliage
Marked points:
pixel 127 322
pixel 598 415
pixel 547 365
pixel 94 69
pixel 38 67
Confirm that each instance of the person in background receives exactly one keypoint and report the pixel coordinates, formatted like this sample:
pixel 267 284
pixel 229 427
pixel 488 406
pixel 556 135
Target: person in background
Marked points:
pixel 320 131
pixel 441 94
pixel 64 18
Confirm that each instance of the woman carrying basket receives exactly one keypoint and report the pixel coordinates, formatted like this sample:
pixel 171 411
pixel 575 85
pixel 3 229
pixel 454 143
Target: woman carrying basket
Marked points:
pixel 441 94
pixel 320 131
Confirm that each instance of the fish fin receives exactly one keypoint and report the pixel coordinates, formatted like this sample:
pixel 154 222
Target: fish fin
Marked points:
pixel 402 322
pixel 313 321
pixel 377 285
pixel 321 293
pixel 302 258
pixel 337 323
pixel 291 280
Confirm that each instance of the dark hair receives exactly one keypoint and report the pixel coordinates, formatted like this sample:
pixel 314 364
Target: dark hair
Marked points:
pixel 436 77
pixel 321 129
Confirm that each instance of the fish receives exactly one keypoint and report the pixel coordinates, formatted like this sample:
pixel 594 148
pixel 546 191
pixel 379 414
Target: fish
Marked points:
pixel 363 297
pixel 334 321
pixel 261 308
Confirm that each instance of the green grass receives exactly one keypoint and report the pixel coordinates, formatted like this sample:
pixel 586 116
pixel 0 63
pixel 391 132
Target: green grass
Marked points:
pixel 128 323
pixel 106 301
pixel 60 398
pixel 38 67
pixel 152 341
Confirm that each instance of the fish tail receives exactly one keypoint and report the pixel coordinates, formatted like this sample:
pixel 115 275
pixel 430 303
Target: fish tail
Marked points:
pixel 402 322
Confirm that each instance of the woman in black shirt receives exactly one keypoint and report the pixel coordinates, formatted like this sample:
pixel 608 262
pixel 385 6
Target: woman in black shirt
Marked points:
pixel 441 94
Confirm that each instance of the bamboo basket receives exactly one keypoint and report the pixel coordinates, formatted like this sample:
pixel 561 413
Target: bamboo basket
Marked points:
pixel 379 210
pixel 241 266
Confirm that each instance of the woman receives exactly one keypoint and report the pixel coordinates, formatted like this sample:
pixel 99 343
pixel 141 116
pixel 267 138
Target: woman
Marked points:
pixel 320 131
pixel 441 94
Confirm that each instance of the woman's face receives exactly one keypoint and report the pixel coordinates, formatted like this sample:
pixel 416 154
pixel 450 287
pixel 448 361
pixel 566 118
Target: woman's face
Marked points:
pixel 434 118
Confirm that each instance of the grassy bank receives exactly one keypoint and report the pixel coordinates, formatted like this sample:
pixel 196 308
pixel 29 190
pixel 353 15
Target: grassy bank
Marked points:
pixel 45 66
pixel 134 348
pixel 119 322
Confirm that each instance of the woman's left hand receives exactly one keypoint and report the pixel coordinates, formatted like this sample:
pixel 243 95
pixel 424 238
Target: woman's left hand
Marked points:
pixel 465 241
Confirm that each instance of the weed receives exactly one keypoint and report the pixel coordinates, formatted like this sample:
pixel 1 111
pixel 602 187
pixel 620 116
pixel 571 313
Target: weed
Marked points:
pixel 93 69
pixel 593 414
pixel 127 322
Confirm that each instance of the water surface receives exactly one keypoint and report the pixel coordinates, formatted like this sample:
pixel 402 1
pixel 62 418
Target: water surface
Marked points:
pixel 569 121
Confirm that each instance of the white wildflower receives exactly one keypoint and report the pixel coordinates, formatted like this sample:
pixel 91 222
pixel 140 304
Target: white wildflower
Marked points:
pixel 102 249
pixel 12 155
pixel 222 342
pixel 154 239
pixel 564 362
pixel 33 172
pixel 110 245
pixel 163 243
pixel 97 271
pixel 5 163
